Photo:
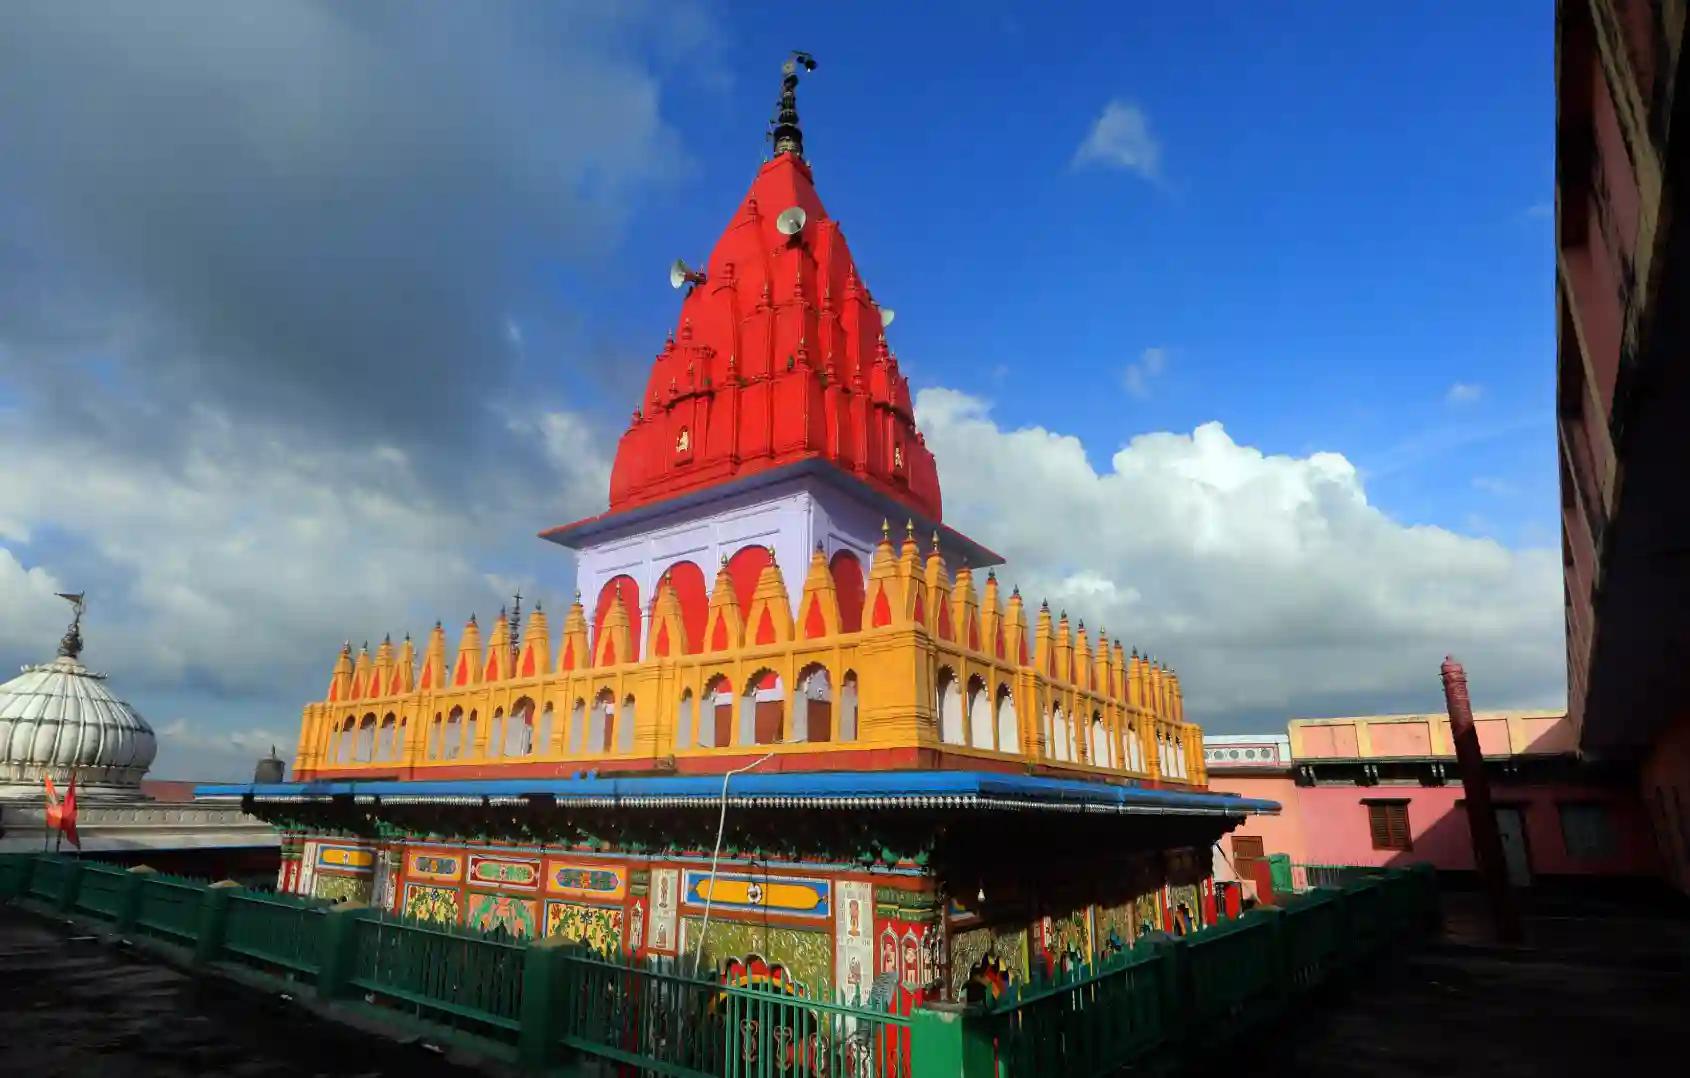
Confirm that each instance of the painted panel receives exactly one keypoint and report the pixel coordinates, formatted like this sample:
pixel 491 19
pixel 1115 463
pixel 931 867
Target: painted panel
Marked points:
pixel 807 956
pixel 342 888
pixel 853 941
pixel 436 905
pixel 792 896
pixel 359 859
pixel 665 900
pixel 985 961
pixel 446 867
pixel 492 913
pixel 590 881
pixel 522 874
pixel 599 927
pixel 307 868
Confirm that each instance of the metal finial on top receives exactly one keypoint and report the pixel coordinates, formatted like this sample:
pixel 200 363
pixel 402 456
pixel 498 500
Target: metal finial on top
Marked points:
pixel 516 626
pixel 70 644
pixel 783 128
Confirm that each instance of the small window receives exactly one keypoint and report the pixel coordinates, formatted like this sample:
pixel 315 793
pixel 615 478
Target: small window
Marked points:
pixel 1388 823
pixel 1587 831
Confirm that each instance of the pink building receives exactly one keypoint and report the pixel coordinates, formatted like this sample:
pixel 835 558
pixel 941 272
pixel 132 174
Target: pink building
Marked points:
pixel 1383 790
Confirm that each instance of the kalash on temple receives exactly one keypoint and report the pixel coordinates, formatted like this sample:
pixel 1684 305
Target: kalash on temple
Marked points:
pixel 785 738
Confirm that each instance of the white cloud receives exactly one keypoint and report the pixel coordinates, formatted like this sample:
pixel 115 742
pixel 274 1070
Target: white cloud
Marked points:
pixel 1490 484
pixel 1120 138
pixel 223 581
pixel 1139 373
pixel 1269 581
pixel 1463 393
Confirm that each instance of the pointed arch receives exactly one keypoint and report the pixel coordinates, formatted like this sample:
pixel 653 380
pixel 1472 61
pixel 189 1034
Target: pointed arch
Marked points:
pixel 519 729
pixel 1009 729
pixel 716 730
pixel 452 741
pixel 812 700
pixel 628 591
pixel 684 720
pixel 762 714
pixel 978 710
pixel 849 578
pixel 577 732
pixel 745 569
pixel 601 722
pixel 846 713
pixel 625 725
pixel 694 598
pixel 948 706
pixel 1100 754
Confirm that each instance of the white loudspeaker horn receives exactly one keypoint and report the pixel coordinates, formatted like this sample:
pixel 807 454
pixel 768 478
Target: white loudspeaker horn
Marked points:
pixel 791 221
pixel 680 273
pixel 886 316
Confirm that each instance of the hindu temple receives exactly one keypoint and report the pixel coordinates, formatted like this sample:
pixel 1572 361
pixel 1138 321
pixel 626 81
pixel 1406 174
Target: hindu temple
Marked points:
pixel 791 726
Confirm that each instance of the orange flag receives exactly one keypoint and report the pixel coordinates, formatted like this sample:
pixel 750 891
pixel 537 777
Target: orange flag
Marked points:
pixel 62 817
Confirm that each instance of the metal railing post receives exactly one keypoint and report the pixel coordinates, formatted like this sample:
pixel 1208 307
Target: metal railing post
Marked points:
pixel 214 918
pixel 950 1041
pixel 129 902
pixel 334 965
pixel 542 965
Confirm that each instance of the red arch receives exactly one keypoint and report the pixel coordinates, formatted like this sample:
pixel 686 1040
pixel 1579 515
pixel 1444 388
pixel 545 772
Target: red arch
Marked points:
pixel 630 592
pixel 688 581
pixel 745 568
pixel 848 586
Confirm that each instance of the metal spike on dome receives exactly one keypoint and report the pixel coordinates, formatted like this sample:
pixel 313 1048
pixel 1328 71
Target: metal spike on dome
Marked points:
pixel 885 528
pixel 935 540
pixel 909 529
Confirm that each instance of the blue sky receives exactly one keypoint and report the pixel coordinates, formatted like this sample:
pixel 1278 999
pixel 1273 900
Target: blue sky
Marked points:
pixel 1349 219
pixel 1231 325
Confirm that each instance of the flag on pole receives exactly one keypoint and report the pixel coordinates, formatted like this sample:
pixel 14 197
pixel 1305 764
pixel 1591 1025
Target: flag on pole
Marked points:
pixel 61 816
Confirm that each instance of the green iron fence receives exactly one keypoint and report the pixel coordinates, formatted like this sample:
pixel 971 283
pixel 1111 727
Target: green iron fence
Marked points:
pixel 274 930
pixel 550 1001
pixel 670 1023
pixel 452 973
pixel 1095 1020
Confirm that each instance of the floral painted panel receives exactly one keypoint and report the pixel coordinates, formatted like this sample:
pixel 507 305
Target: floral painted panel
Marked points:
pixel 342 888
pixel 599 927
pixel 1116 927
pixel 1186 902
pixel 807 956
pixel 438 905
pixel 515 917
pixel 995 957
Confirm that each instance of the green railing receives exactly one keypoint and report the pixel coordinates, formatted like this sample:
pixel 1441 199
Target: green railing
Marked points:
pixel 669 1023
pixel 101 890
pixel 1214 983
pixel 274 930
pixel 170 909
pixel 550 1002
pixel 452 973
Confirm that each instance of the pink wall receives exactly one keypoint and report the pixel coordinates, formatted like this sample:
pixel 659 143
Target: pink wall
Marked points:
pixel 1328 825
pixel 1666 787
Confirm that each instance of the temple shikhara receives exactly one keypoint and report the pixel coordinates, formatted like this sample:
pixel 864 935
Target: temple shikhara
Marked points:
pixel 792 727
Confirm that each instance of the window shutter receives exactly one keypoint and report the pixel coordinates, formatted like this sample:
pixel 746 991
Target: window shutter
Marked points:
pixel 1379 824
pixel 1399 827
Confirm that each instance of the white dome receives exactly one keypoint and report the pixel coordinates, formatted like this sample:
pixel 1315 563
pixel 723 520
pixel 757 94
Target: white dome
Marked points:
pixel 58 719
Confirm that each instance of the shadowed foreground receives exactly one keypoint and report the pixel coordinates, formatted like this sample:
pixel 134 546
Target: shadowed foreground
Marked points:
pixel 1598 985
pixel 73 1007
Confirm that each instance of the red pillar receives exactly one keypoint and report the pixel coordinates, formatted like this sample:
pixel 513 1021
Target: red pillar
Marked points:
pixel 1481 817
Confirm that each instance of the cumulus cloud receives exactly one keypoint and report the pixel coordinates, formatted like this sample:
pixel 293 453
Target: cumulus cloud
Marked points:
pixel 1269 581
pixel 1463 393
pixel 1120 138
pixel 269 324
pixel 1143 370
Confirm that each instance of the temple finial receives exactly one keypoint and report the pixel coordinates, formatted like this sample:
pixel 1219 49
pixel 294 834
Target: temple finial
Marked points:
pixel 70 644
pixel 783 129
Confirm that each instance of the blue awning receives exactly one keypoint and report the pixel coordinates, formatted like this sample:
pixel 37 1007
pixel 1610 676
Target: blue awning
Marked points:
pixel 825 789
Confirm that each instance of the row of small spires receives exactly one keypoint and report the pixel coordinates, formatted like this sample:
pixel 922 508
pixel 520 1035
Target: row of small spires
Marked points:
pixel 769 598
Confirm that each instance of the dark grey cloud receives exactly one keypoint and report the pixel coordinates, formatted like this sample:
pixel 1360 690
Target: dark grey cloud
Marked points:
pixel 312 214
